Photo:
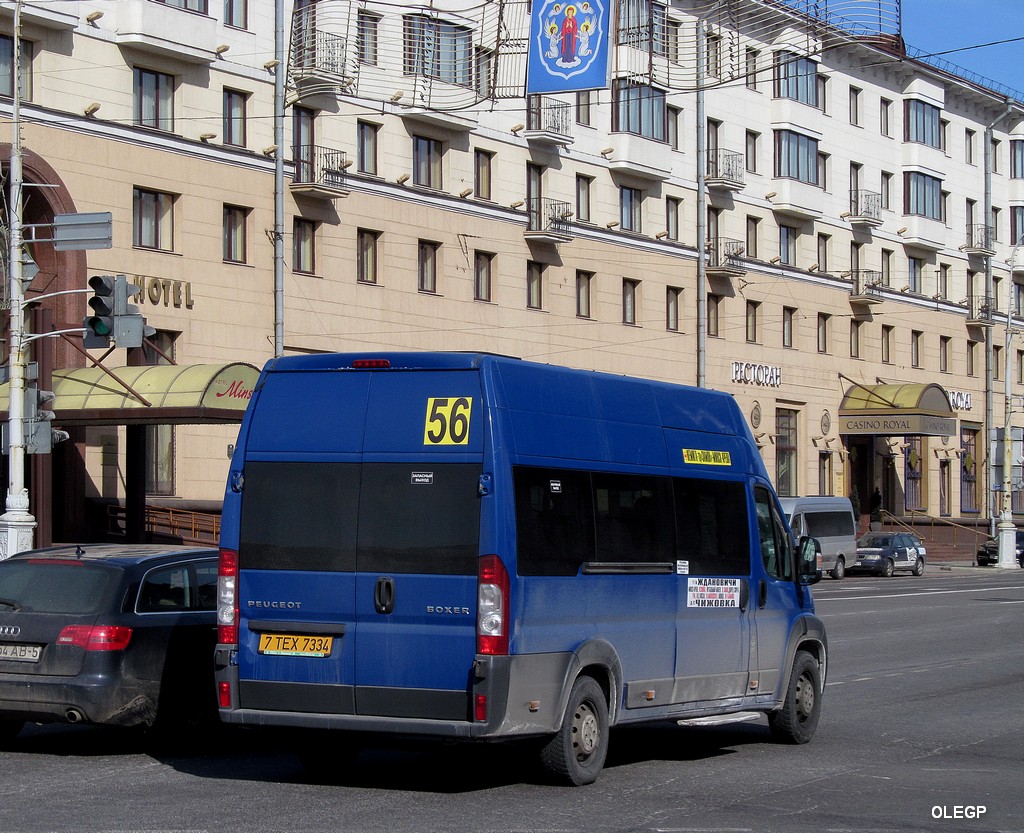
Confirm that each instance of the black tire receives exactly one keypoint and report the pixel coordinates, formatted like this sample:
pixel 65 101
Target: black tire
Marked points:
pixel 919 567
pixel 839 570
pixel 888 569
pixel 576 754
pixel 797 720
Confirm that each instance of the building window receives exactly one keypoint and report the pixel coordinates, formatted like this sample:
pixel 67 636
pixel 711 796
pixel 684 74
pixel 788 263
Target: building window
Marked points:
pixel 714 313
pixel 303 141
pixel 583 281
pixel 886 344
pixel 969 357
pixel 192 5
pixel 1016 225
pixel 236 13
pixel 885 117
pixel 154 99
pixel 752 141
pixel 786 452
pixel 751 58
pixel 482 263
pixel 886 190
pixel 922 123
pixel 787 244
pixel 673 208
pixel 153 220
pixel 943 276
pixel 366 147
pixel 234 117
pixel 366 255
pixel 855 96
pixel 630 291
pixel 304 246
pixel 1017 158
pixel 824 472
pixel 583 184
pixel 753 237
pixel 675 117
pixel 997 214
pixel 915 275
pixel 583 108
pixel 713 55
pixel 913 470
pixel 788 318
pixel 160 449
pixel 996 145
pixel 969 481
pixel 796 78
pixel 235 220
pixel 482 160
pixel 855 249
pixel 944 354
pixel 642 25
pixel 923 195
pixel 426 162
pixel 426 266
pixel 796 157
pixel 969 138
pixel 367 25
pixel 753 312
pixel 855 339
pixel 915 348
pixel 997 362
pixel 887 256
pixel 672 296
pixel 437 49
pixel 534 285
pixel 7 62
pixel 630 208
pixel 824 323
pixel 639 109
pixel 824 245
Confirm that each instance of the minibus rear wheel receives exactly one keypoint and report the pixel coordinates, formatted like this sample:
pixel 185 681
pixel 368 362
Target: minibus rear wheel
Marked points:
pixel 576 754
pixel 797 720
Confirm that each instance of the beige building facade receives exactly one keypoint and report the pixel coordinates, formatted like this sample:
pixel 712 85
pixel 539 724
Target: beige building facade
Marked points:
pixel 860 211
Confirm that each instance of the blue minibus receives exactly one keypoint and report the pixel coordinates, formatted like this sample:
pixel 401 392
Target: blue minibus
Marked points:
pixel 471 546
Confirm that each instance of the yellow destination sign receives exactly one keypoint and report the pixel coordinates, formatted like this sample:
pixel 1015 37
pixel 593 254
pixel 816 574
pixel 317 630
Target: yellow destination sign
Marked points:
pixel 706 457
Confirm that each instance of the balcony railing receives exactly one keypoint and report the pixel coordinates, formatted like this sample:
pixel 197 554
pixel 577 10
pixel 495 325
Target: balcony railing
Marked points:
pixel 979 239
pixel 725 169
pixel 866 287
pixel 723 257
pixel 981 310
pixel 548 121
pixel 314 51
pixel 865 207
pixel 548 219
pixel 319 170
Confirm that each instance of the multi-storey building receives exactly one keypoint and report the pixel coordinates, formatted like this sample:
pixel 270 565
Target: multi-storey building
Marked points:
pixel 367 176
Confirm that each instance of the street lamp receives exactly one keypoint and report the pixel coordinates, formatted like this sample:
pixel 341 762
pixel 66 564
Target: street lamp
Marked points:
pixel 1007 535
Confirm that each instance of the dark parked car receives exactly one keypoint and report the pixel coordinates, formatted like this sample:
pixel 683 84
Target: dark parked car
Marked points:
pixel 108 634
pixel 886 553
pixel 988 553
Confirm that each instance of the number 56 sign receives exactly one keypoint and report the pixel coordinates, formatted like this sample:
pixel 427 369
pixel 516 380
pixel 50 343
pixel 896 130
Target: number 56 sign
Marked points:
pixel 447 421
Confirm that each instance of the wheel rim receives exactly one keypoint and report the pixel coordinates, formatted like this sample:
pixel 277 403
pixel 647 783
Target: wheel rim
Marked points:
pixel 586 731
pixel 805 696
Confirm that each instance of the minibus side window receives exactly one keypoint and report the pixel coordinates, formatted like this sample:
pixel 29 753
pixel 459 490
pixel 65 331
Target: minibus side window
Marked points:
pixel 633 518
pixel 554 521
pixel 776 548
pixel 712 527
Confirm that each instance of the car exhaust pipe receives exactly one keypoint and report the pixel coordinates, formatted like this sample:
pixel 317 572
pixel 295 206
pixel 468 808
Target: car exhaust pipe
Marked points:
pixel 74 716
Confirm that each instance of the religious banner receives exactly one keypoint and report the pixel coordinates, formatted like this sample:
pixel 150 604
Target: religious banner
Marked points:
pixel 569 47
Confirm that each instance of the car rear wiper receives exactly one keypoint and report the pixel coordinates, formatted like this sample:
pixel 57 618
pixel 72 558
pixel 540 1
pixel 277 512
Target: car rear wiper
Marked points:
pixel 13 605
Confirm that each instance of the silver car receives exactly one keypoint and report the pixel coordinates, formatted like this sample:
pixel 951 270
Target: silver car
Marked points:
pixel 887 553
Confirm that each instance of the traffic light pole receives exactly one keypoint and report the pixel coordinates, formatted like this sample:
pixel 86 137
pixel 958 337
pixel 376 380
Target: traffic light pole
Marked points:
pixel 16 524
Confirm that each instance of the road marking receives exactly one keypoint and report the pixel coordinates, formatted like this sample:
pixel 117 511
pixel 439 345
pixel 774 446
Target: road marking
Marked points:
pixel 906 595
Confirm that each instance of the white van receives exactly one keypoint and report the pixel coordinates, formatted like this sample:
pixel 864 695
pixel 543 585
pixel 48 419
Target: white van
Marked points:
pixel 831 521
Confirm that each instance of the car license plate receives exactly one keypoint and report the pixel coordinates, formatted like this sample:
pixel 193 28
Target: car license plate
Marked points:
pixel 295 645
pixel 23 653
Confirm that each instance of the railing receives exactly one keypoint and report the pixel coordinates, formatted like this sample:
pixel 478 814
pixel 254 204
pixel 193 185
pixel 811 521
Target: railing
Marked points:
pixel 725 164
pixel 865 204
pixel 724 253
pixel 866 283
pixel 547 215
pixel 962 534
pixel 979 237
pixel 178 524
pixel 316 165
pixel 980 308
pixel 551 116
pixel 314 49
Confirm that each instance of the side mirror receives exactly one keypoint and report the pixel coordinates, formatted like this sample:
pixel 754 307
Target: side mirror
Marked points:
pixel 809 560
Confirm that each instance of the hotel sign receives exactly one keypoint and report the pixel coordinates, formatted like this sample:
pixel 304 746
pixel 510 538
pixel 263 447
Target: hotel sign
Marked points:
pixel 910 424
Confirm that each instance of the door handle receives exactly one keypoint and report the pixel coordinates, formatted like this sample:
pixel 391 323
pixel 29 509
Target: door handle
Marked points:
pixel 762 594
pixel 384 595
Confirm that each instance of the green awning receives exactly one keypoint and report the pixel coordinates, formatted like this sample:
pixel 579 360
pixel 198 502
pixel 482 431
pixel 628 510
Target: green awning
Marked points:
pixel 163 394
pixel 891 409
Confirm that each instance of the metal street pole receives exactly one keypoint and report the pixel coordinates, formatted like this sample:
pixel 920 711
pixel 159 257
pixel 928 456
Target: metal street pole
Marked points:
pixel 1007 530
pixel 16 524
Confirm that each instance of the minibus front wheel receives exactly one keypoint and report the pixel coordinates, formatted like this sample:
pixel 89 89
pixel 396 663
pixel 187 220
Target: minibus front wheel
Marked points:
pixel 576 754
pixel 796 721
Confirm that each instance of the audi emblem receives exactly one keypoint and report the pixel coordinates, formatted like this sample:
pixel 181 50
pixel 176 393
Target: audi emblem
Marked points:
pixel 9 630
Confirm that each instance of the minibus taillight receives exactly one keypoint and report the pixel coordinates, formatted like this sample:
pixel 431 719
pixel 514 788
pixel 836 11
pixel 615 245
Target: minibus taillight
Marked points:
pixel 492 608
pixel 227 598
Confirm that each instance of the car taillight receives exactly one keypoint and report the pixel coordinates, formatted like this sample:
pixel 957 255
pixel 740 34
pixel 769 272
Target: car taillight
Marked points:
pixel 227 598
pixel 492 607
pixel 96 637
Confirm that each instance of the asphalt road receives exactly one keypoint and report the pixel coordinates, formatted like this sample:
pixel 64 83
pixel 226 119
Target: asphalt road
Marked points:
pixel 923 725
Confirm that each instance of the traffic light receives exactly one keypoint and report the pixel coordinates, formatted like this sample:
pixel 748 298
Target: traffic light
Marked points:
pixel 39 435
pixel 129 325
pixel 99 327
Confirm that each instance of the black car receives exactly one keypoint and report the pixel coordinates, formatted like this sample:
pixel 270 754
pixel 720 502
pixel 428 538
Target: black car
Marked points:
pixel 107 634
pixel 988 553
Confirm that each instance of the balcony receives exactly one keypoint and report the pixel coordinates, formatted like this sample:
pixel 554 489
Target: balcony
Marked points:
pixel 316 57
pixel 162 29
pixel 319 172
pixel 979 241
pixel 60 17
pixel 547 123
pixel 724 258
pixel 638 157
pixel 865 209
pixel 980 311
pixel 725 170
pixel 923 233
pixel 548 220
pixel 866 289
pixel 795 199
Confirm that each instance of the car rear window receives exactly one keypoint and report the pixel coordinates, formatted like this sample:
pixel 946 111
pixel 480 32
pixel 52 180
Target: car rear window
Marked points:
pixel 56 587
